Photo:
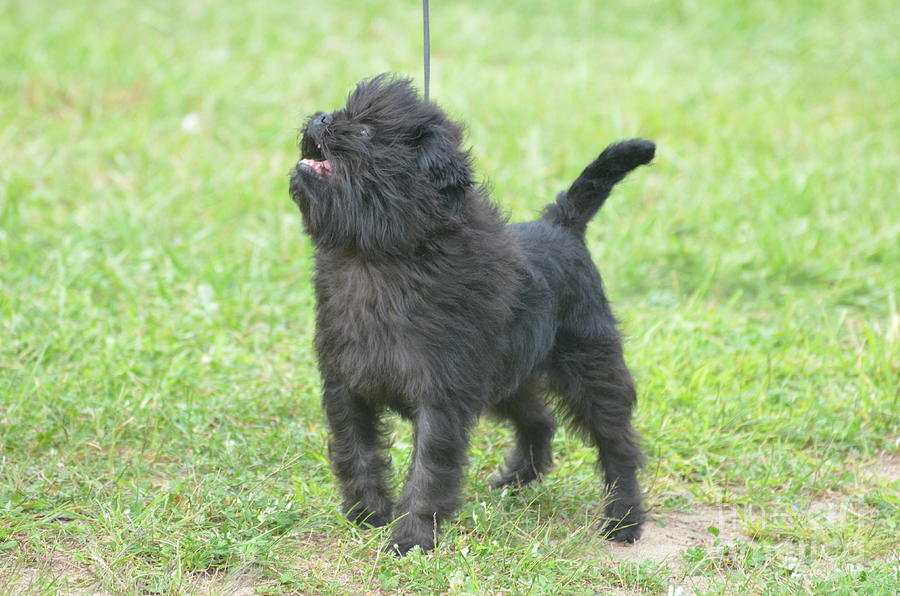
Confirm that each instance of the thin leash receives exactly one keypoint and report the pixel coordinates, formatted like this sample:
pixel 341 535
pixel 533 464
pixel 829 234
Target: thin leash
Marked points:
pixel 427 46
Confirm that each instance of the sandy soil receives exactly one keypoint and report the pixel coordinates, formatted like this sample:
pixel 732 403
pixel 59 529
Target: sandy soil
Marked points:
pixel 666 537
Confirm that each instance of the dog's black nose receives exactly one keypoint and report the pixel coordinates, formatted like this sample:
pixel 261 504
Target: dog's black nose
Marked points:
pixel 326 119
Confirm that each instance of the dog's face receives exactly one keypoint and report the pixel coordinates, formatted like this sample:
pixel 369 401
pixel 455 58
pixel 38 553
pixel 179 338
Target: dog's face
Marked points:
pixel 382 173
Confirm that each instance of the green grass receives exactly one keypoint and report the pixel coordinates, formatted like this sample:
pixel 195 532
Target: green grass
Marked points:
pixel 159 417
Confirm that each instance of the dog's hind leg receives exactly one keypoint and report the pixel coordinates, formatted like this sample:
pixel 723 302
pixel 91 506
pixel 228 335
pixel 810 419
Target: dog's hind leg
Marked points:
pixel 534 424
pixel 358 456
pixel 596 389
pixel 431 492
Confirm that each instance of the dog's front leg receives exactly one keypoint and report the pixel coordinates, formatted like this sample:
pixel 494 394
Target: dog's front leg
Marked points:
pixel 432 487
pixel 358 455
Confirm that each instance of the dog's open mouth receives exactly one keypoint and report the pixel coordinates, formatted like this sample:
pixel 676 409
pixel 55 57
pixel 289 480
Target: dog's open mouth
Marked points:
pixel 312 157
pixel 321 168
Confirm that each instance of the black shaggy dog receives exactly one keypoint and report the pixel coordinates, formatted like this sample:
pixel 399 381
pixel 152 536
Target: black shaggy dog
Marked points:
pixel 429 304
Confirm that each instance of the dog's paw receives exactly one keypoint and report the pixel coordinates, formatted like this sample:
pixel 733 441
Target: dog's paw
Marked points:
pixel 519 470
pixel 401 549
pixel 615 531
pixel 411 531
pixel 513 478
pixel 624 523
pixel 363 516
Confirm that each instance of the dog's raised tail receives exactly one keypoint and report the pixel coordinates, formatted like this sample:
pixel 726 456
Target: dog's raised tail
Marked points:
pixel 575 207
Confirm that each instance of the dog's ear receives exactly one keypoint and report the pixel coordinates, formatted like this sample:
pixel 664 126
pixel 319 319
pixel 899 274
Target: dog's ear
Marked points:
pixel 447 167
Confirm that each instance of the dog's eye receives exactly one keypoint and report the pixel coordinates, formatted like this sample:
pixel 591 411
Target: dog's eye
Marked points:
pixel 364 132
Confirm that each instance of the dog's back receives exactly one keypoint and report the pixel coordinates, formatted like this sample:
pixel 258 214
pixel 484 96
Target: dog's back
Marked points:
pixel 554 244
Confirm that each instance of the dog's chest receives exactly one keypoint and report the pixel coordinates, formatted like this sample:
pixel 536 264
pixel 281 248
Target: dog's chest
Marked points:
pixel 369 327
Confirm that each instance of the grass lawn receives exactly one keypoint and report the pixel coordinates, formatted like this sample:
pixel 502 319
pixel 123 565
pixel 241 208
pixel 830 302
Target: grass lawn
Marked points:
pixel 160 429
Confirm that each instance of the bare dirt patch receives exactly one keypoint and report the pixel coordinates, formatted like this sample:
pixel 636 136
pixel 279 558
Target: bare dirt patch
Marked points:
pixel 52 572
pixel 224 583
pixel 886 469
pixel 667 536
pixel 58 573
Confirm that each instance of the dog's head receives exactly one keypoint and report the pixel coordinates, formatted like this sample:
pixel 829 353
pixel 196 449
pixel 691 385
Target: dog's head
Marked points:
pixel 382 173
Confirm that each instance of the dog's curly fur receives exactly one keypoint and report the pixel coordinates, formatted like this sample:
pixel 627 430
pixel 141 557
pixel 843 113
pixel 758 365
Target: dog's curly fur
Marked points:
pixel 429 304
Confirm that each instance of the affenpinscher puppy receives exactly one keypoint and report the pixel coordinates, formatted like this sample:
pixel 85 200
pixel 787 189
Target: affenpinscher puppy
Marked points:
pixel 429 304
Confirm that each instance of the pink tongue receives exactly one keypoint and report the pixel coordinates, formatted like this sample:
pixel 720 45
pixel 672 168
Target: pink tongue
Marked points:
pixel 319 166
